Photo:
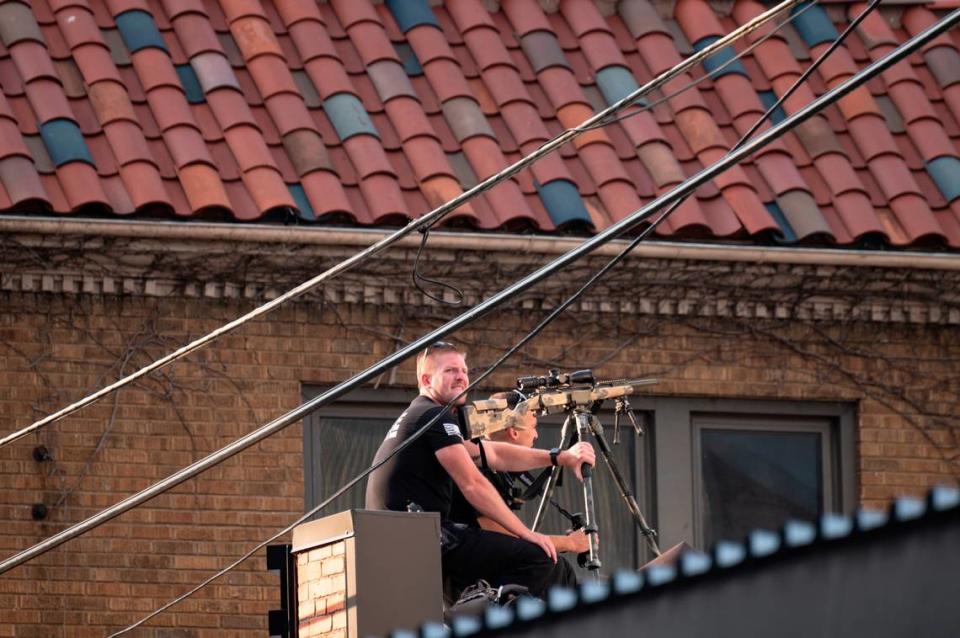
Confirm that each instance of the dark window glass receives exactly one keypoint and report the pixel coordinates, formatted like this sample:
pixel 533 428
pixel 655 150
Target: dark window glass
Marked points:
pixel 342 448
pixel 753 478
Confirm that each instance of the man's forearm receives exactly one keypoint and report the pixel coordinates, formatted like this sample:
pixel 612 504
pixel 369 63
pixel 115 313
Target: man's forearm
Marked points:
pixel 506 457
pixel 561 542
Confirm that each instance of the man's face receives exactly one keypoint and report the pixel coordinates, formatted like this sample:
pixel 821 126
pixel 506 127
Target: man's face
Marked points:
pixel 445 377
pixel 527 435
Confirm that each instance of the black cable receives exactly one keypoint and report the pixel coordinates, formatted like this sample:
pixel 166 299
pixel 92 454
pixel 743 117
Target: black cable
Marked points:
pixel 613 119
pixel 511 351
pixel 418 277
pixel 753 129
pixel 803 76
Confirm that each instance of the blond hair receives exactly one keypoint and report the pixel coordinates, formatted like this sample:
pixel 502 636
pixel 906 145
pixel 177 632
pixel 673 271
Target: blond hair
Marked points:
pixel 431 350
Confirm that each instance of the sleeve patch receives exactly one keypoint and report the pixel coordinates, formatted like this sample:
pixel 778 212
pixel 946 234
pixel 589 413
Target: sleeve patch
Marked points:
pixel 452 429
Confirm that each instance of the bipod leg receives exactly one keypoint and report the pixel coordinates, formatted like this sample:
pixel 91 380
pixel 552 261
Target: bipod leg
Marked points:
pixel 590 518
pixel 566 437
pixel 649 534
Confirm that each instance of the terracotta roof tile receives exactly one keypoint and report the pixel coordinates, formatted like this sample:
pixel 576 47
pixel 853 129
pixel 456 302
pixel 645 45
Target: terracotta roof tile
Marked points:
pixel 542 51
pixel 95 64
pixel 525 16
pixel 187 145
pixel 195 34
pixel 267 189
pixel 229 108
pixel 427 158
pixel 872 137
pixel 441 189
pixel 48 100
pixel 32 61
pixel 914 216
pixel 127 142
pixel 325 193
pixel 893 177
pixel 931 140
pixel 312 40
pixel 271 75
pixel 248 147
pixel 384 199
pixel 21 181
pixel 142 185
pixel 80 185
pixel 118 199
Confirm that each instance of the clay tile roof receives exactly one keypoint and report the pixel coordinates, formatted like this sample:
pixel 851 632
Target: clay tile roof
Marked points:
pixel 368 113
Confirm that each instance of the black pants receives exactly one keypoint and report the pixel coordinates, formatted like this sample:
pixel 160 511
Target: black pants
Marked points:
pixel 500 559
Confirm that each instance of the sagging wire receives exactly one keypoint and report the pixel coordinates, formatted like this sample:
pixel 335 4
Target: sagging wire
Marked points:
pixel 546 321
pixel 780 100
pixel 418 277
pixel 426 220
pixel 649 106
pixel 813 67
pixel 613 119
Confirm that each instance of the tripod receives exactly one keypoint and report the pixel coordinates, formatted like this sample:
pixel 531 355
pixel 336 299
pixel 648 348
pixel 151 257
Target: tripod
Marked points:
pixel 581 422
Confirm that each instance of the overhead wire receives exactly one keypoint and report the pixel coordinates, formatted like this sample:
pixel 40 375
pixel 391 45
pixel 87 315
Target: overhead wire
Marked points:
pixel 649 106
pixel 781 99
pixel 425 221
pixel 527 281
pixel 642 108
pixel 534 332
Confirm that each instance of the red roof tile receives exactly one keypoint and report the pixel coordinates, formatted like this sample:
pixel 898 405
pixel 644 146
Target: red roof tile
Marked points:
pixel 21 181
pixel 325 193
pixel 525 16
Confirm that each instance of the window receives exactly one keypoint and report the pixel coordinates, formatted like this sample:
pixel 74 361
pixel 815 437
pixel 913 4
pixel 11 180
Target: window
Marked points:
pixel 705 469
pixel 724 467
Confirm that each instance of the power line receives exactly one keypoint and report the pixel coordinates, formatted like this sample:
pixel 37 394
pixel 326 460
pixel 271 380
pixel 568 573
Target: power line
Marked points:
pixel 424 221
pixel 510 352
pixel 613 231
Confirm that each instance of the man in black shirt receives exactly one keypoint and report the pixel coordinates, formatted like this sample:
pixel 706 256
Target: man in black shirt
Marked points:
pixel 425 473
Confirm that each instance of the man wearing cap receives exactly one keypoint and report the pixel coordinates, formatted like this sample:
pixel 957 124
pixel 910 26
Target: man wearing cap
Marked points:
pixel 423 476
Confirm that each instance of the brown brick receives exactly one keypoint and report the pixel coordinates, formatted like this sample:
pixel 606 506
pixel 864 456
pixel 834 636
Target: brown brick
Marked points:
pixel 333 565
pixel 340 619
pixel 335 601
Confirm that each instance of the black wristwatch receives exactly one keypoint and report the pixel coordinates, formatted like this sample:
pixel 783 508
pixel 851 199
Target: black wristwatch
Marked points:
pixel 554 453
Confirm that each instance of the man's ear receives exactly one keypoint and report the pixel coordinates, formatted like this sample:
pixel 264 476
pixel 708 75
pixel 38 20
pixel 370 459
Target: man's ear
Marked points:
pixel 513 433
pixel 425 379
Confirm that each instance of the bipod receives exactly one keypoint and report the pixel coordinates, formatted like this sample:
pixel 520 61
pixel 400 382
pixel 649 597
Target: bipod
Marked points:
pixel 584 424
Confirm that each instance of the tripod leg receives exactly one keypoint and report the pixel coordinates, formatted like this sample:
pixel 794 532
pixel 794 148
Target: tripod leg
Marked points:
pixel 649 534
pixel 590 526
pixel 565 438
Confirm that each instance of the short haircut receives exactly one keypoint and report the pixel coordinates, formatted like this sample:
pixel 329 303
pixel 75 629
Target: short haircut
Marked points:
pixel 513 398
pixel 435 348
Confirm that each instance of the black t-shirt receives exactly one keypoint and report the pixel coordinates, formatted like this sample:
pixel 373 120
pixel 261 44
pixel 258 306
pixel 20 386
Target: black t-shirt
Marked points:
pixel 510 486
pixel 415 475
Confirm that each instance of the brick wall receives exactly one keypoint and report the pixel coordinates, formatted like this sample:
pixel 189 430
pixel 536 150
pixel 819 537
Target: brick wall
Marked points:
pixel 321 591
pixel 56 348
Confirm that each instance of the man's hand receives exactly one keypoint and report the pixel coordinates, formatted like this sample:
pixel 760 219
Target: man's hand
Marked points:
pixel 578 542
pixel 544 542
pixel 576 456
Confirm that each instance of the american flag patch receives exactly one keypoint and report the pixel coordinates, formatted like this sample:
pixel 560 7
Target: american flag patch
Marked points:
pixel 452 429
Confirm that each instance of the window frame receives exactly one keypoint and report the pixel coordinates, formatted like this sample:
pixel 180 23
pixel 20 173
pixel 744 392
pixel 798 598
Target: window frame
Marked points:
pixel 676 453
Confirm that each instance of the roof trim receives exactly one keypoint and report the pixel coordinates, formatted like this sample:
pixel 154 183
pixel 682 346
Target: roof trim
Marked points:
pixel 492 242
